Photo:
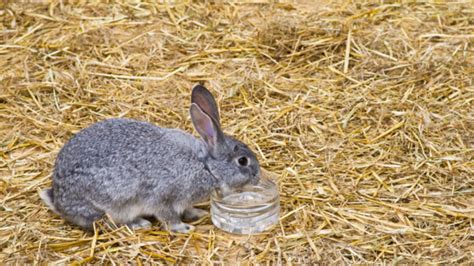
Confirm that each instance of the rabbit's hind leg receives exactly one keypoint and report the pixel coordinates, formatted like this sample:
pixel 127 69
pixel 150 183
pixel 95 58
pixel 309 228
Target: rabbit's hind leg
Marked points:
pixel 129 213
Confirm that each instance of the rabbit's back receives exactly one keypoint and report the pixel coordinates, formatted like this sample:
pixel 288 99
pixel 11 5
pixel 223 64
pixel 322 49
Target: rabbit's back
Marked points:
pixel 132 152
pixel 107 143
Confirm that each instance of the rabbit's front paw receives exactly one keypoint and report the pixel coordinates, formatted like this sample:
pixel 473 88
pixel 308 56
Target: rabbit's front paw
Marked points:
pixel 139 223
pixel 181 228
pixel 193 214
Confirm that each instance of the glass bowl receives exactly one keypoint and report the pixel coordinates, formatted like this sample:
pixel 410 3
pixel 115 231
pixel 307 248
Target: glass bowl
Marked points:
pixel 251 209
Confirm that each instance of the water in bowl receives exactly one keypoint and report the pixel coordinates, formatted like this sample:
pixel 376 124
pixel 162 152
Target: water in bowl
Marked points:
pixel 252 209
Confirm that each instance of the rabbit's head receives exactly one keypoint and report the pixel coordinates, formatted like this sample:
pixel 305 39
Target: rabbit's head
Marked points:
pixel 229 160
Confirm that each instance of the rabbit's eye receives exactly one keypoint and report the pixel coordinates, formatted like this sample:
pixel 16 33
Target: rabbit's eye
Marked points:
pixel 243 161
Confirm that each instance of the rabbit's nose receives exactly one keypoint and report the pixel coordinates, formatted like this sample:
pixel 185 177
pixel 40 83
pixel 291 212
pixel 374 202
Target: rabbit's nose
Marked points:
pixel 255 180
pixel 255 176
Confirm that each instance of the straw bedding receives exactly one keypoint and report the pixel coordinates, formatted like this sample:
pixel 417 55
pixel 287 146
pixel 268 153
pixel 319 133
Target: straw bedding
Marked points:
pixel 363 113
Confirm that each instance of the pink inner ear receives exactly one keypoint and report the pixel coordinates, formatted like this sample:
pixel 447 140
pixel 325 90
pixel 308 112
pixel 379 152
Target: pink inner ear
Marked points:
pixel 203 123
pixel 209 129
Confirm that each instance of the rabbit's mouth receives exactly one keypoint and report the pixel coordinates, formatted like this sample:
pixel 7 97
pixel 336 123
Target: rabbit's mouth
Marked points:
pixel 255 179
pixel 225 190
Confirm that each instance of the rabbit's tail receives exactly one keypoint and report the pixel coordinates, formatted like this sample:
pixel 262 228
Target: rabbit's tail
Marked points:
pixel 47 196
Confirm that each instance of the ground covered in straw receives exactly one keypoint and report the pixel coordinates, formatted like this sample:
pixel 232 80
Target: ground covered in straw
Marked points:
pixel 363 112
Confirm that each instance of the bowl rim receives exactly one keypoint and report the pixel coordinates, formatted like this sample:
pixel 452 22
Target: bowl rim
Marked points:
pixel 265 184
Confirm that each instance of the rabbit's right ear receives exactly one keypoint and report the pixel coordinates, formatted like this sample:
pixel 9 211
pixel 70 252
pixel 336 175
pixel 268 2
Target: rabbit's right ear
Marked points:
pixel 208 128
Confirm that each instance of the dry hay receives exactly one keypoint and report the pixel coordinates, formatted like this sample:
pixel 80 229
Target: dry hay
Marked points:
pixel 363 111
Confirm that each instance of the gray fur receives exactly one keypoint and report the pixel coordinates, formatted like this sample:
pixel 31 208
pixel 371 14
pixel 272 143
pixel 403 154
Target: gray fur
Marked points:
pixel 130 169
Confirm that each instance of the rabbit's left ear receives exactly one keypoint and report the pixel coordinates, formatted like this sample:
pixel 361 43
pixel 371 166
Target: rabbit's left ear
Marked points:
pixel 206 102
pixel 208 128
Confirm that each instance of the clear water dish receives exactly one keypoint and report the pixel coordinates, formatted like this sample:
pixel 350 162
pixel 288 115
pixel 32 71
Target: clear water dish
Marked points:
pixel 252 209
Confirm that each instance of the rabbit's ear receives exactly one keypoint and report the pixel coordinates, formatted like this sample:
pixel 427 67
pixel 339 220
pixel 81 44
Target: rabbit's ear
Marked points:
pixel 206 127
pixel 204 99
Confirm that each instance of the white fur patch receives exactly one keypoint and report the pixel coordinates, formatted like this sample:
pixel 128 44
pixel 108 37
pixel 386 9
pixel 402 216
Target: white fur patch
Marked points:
pixel 44 195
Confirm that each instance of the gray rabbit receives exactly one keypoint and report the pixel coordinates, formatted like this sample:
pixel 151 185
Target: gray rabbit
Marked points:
pixel 130 169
